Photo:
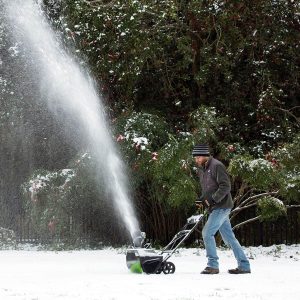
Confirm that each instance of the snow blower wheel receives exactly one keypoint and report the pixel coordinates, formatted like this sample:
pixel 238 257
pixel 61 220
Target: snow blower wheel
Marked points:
pixel 169 268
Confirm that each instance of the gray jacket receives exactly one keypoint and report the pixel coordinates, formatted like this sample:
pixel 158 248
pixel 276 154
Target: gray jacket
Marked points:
pixel 215 181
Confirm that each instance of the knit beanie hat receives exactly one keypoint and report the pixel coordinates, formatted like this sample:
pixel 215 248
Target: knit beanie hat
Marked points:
pixel 201 150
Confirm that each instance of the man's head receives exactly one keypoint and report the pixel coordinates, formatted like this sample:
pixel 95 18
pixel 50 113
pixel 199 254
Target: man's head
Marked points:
pixel 201 154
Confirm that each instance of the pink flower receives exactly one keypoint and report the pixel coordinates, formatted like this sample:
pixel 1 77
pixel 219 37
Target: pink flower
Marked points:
pixel 120 138
pixel 154 156
pixel 51 226
pixel 135 167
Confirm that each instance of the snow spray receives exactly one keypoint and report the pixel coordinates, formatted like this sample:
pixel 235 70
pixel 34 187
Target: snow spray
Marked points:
pixel 68 87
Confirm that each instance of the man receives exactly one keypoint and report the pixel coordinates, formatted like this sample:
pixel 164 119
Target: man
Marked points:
pixel 216 197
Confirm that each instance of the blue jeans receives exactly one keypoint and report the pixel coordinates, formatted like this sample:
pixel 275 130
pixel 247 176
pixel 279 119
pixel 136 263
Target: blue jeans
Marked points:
pixel 219 220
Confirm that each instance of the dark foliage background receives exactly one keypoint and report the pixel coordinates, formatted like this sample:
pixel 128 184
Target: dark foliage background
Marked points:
pixel 175 72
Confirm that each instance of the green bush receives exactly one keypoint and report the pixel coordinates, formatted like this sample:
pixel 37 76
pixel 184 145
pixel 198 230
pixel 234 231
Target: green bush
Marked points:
pixel 172 171
pixel 143 131
pixel 45 195
pixel 207 124
pixel 70 206
pixel 270 209
pixel 161 156
pixel 287 159
pixel 258 173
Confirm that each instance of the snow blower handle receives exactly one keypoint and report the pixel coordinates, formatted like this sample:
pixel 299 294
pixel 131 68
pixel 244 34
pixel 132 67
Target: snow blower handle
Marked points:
pixel 202 206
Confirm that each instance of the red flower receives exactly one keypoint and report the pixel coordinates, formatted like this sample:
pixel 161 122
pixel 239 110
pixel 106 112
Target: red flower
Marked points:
pixel 274 162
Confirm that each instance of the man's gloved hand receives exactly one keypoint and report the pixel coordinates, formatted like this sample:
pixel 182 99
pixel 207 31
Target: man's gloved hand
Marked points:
pixel 200 201
pixel 206 200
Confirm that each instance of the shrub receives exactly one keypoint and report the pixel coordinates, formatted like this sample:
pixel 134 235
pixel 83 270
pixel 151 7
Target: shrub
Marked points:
pixel 172 172
pixel 270 209
pixel 71 206
pixel 258 173
pixel 45 193
pixel 206 124
pixel 287 158
pixel 7 239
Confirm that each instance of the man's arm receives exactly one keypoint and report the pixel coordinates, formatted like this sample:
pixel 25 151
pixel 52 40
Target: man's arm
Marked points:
pixel 224 184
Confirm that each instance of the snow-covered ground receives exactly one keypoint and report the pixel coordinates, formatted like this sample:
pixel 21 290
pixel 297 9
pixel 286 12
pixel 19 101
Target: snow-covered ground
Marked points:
pixel 102 274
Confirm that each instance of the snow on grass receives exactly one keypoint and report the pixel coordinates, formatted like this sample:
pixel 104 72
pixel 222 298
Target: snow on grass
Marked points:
pixel 102 274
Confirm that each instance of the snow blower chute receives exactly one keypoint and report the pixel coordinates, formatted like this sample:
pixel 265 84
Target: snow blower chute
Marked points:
pixel 142 258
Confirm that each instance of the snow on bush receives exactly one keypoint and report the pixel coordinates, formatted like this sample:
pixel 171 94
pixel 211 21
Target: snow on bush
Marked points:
pixel 270 208
pixel 7 239
pixel 257 172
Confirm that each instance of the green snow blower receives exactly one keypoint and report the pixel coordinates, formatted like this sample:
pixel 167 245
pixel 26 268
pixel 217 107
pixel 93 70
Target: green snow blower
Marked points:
pixel 142 258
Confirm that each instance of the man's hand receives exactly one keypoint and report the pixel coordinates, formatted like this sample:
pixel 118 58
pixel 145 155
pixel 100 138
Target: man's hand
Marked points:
pixel 207 204
pixel 198 203
pixel 209 200
pixel 205 200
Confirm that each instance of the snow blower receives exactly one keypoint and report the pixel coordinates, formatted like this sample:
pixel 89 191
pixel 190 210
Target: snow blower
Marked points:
pixel 142 258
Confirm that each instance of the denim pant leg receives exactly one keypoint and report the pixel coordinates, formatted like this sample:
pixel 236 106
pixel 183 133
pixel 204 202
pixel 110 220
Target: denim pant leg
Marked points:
pixel 230 239
pixel 213 224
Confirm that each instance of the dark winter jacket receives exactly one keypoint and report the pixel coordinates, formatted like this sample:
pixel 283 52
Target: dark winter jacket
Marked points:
pixel 215 183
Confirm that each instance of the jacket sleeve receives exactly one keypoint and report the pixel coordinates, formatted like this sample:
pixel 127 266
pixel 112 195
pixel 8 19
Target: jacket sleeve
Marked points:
pixel 224 185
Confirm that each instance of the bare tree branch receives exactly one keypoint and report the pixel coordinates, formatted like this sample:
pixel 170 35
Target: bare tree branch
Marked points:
pixel 99 3
pixel 293 206
pixel 246 222
pixel 240 194
pixel 249 202
pixel 288 111
pixel 255 198
pixel 238 209
pixel 295 107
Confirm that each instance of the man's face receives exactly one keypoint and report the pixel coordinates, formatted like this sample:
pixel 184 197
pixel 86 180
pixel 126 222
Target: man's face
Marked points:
pixel 200 160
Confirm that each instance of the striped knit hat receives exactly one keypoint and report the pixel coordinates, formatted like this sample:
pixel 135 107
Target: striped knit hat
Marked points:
pixel 201 150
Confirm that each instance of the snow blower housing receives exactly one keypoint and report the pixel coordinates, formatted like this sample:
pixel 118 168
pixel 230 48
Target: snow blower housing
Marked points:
pixel 151 261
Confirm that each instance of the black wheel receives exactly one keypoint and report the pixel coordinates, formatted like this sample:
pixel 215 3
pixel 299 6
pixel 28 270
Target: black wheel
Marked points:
pixel 169 268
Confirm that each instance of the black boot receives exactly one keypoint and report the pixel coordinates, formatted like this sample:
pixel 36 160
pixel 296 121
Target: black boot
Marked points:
pixel 211 271
pixel 238 271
